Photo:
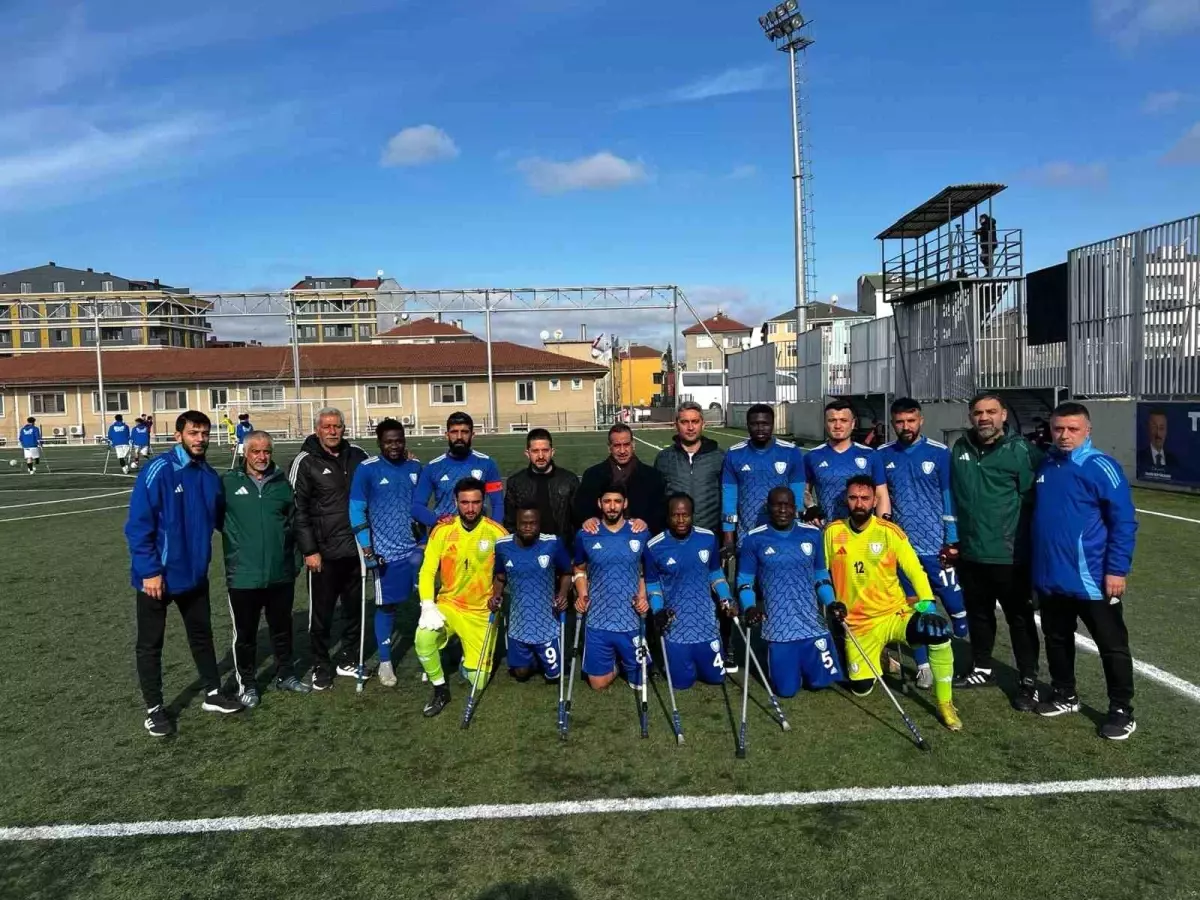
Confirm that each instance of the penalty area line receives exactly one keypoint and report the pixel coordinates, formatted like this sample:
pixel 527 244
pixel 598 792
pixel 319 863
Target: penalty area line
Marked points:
pixel 1151 512
pixel 71 512
pixel 492 812
pixel 67 500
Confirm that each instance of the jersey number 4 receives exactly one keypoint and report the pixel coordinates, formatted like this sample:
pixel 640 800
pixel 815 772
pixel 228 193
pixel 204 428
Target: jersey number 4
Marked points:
pixel 859 568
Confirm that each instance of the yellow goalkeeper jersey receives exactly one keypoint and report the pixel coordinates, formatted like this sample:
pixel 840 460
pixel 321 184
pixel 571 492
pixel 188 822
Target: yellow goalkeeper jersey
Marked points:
pixel 462 562
pixel 865 566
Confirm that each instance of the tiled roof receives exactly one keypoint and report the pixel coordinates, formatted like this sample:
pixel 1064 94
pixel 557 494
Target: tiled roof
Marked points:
pixel 640 351
pixel 718 324
pixel 426 327
pixel 317 362
pixel 818 310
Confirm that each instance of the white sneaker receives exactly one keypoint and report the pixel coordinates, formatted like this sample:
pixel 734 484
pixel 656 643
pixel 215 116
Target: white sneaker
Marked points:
pixel 924 677
pixel 387 676
pixel 350 670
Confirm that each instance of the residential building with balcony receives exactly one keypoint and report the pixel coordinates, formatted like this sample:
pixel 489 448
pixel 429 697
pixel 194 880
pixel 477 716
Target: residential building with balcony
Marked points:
pixel 704 353
pixel 338 309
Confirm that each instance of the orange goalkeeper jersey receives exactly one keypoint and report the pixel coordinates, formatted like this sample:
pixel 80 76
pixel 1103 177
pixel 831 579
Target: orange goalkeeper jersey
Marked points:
pixel 865 566
pixel 463 561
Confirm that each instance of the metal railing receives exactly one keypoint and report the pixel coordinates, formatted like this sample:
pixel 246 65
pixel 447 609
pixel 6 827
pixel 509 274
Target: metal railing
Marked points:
pixel 952 255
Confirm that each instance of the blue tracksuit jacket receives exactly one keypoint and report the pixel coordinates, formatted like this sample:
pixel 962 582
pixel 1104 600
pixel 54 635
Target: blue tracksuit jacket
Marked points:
pixel 1083 523
pixel 175 506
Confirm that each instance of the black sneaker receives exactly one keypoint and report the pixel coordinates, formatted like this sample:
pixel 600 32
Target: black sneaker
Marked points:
pixel 976 678
pixel 441 696
pixel 731 662
pixel 217 702
pixel 321 680
pixel 1059 703
pixel 1119 725
pixel 157 724
pixel 291 684
pixel 1027 696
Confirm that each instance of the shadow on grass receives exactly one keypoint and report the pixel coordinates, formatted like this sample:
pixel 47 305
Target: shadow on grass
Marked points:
pixel 537 889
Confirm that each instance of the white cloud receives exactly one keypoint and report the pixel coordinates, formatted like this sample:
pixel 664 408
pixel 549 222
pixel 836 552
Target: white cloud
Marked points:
pixel 1158 102
pixel 417 146
pixel 601 171
pixel 731 81
pixel 1067 174
pixel 1186 150
pixel 743 172
pixel 1129 22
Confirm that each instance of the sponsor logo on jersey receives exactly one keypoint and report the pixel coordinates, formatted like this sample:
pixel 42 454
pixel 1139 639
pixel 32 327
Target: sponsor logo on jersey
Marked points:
pixel 597 546
pixel 822 644
pixel 1041 479
pixel 240 491
pixel 823 465
pixel 966 456
pixel 412 476
pixel 484 545
pixel 444 478
pixel 746 467
pixel 179 488
pixel 477 473
pixel 860 461
pixel 670 560
pixel 703 556
pixel 635 546
pixel 327 471
pixel 770 551
pixel 781 466
pixel 807 548
pixel 928 466
pixel 891 465
pixel 383 481
pixel 875 547
pixel 544 561
pixel 509 564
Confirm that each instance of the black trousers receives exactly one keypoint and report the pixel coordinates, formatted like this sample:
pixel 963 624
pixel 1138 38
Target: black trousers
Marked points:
pixel 1106 624
pixel 246 606
pixel 151 627
pixel 984 585
pixel 339 579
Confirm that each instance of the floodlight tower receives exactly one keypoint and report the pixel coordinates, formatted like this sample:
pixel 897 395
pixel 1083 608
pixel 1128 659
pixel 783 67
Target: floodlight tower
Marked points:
pixel 785 28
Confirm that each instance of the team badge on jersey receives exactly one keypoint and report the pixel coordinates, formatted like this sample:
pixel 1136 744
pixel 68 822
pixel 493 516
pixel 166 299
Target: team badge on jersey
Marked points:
pixel 781 467
pixel 703 556
pixel 807 548
pixel 875 547
pixel 927 467
pixel 477 474
pixel 822 644
pixel 543 561
pixel 635 546
pixel 860 461
pixel 484 545
pixel 413 477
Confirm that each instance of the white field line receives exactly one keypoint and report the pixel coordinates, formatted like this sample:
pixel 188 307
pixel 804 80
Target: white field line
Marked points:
pixel 67 500
pixel 40 475
pixel 73 512
pixel 45 490
pixel 647 443
pixel 1150 512
pixel 835 797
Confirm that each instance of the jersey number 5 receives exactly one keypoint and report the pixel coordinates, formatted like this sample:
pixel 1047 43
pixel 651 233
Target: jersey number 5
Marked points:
pixel 859 568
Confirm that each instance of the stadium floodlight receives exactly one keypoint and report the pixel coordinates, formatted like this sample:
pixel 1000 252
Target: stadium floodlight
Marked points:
pixel 796 22
pixel 763 21
pixel 792 6
pixel 781 11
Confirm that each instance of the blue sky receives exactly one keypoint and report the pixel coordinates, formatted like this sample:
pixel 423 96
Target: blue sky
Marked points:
pixel 238 145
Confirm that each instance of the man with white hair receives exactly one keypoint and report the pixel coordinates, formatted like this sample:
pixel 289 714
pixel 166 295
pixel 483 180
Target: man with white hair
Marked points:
pixel 321 476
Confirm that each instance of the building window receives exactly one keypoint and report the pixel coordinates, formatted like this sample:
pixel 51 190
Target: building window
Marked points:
pixel 365 331
pixel 48 404
pixel 29 338
pixel 26 287
pixel 556 384
pixel 308 332
pixel 6 312
pixel 29 311
pixel 170 401
pixel 106 286
pixel 114 402
pixel 112 334
pixel 339 332
pixel 383 395
pixel 266 396
pixel 703 342
pixel 577 384
pixel 61 335
pixel 89 335
pixel 58 311
pixel 704 365
pixel 526 392
pixel 218 398
pixel 732 342
pixel 448 393
pixel 5 338
pixel 60 287
pixel 772 328
pixel 1 405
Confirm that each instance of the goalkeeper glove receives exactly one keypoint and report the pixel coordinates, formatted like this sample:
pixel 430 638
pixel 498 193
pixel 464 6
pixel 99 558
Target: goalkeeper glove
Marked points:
pixel 663 619
pixel 925 606
pixel 431 617
pixel 928 628
pixel 813 514
pixel 839 610
pixel 753 616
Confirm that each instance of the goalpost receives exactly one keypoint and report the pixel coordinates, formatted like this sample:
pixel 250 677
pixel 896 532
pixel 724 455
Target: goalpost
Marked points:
pixel 284 420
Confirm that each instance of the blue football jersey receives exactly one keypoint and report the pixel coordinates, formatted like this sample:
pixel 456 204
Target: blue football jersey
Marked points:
pixel 531 580
pixel 827 471
pixel 118 433
pixel 750 474
pixel 381 497
pixel 242 429
pixel 783 564
pixel 31 436
pixel 140 436
pixel 918 480
pixel 614 569
pixel 683 569
pixel 443 473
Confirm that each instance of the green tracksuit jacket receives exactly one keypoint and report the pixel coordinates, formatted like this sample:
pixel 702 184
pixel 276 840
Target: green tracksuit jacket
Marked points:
pixel 256 532
pixel 993 492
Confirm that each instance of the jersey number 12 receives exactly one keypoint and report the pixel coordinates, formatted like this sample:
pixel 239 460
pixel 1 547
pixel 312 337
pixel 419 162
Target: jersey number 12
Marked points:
pixel 859 568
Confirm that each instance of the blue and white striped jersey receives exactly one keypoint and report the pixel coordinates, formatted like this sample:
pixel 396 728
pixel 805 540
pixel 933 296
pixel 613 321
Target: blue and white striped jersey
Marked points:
pixel 531 580
pixel 750 474
pixel 918 480
pixel 614 570
pixel 783 566
pixel 381 497
pixel 683 568
pixel 826 470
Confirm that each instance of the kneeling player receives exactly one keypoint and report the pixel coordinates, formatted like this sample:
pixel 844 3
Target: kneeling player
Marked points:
pixel 683 571
pixel 527 563
pixel 610 590
pixel 786 561
pixel 462 554
pixel 866 556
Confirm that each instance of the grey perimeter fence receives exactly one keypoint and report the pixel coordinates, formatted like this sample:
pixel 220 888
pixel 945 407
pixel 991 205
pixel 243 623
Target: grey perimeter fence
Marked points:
pixel 1133 329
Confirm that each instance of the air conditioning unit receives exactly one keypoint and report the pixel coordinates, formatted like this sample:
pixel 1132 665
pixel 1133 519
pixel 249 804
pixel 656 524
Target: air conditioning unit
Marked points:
pixel 60 432
pixel 406 421
pixel 76 431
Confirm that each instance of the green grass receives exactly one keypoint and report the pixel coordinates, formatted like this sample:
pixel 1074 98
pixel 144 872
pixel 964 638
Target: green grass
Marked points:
pixel 72 750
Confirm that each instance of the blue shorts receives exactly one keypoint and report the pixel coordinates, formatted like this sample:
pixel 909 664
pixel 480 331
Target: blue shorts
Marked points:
pixel 812 662
pixel 394 582
pixel 602 649
pixel 702 660
pixel 522 656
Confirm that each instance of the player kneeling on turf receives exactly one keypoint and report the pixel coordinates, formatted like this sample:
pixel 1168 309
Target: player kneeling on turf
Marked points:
pixel 462 554
pixel 783 563
pixel 866 556
pixel 527 563
pixel 683 571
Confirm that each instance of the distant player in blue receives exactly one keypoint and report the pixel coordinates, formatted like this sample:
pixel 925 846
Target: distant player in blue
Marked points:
pixel 783 565
pixel 752 468
pixel 683 571
pixel 381 499
pixel 610 590
pixel 120 439
pixel 30 439
pixel 536 570
pixel 139 437
pixel 243 428
pixel 828 467
pixel 444 472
